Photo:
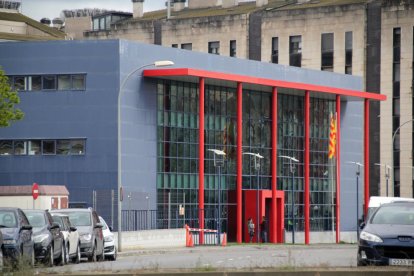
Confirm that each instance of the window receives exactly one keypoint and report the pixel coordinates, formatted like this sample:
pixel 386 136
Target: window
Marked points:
pixel 78 82
pixel 35 83
pixel 214 47
pixel 396 104
pixel 49 82
pixel 275 50
pixel 20 147
pixel 108 22
pixel 64 82
pixel 174 45
pixel 48 147
pixel 187 46
pixel 6 147
pixel 348 53
pixel 19 83
pixel 34 147
pixel 295 51
pixel 63 147
pixel 96 24
pixel 102 23
pixel 233 48
pixel 327 52
pixel 77 147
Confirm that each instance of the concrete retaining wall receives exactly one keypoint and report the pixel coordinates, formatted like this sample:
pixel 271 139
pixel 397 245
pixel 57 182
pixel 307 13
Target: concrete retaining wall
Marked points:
pixel 162 238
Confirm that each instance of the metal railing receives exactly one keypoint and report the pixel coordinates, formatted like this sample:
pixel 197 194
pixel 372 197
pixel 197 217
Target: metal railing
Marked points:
pixel 134 220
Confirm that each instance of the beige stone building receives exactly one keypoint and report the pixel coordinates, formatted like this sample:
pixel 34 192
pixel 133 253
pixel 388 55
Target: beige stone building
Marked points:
pixel 371 39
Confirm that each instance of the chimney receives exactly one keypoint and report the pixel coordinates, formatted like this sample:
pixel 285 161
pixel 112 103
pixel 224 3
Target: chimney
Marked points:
pixel 230 3
pixel 138 8
pixel 261 3
pixel 178 5
pixel 199 4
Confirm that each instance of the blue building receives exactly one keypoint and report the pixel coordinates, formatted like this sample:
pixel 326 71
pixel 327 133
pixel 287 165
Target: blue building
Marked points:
pixel 69 93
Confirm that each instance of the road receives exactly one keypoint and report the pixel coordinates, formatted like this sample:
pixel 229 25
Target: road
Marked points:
pixel 233 257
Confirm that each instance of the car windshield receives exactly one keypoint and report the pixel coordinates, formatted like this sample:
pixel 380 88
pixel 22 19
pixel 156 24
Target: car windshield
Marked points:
pixel 7 219
pixel 36 219
pixel 80 218
pixel 394 214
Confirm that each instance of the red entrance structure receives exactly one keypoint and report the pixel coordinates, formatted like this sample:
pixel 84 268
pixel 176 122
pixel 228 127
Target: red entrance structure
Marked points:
pixel 201 76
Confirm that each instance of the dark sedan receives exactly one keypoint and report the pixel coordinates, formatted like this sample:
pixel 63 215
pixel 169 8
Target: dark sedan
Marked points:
pixel 48 240
pixel 388 236
pixel 17 236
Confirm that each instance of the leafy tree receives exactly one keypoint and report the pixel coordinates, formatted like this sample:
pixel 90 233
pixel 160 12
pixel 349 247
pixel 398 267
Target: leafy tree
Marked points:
pixel 8 100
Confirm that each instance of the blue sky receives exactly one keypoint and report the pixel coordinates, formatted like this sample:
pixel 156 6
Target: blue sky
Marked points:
pixel 38 9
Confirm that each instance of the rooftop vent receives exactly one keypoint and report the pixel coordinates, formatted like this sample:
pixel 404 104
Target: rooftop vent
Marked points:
pixel 10 5
pixel 138 8
pixel 197 4
pixel 57 23
pixel 178 5
pixel 45 21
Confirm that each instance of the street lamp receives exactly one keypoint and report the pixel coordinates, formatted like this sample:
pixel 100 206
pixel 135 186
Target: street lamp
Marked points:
pixel 218 163
pixel 160 63
pixel 387 175
pixel 292 170
pixel 257 158
pixel 148 219
pixel 392 152
pixel 357 172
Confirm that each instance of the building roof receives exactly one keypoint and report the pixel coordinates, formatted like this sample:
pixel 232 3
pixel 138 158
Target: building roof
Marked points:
pixel 244 8
pixel 18 17
pixel 226 79
pixel 52 190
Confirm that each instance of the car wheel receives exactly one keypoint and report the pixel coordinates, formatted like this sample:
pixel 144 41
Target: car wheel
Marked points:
pixel 115 254
pixel 50 260
pixel 77 258
pixel 359 261
pixel 93 257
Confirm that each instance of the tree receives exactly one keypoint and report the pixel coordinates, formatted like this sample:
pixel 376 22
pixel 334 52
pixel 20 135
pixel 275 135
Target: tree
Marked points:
pixel 8 100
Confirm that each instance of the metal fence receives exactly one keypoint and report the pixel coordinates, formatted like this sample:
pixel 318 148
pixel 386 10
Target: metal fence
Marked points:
pixel 134 220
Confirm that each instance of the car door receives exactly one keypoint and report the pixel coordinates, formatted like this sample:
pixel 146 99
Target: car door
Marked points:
pixel 72 237
pixel 56 235
pixel 25 236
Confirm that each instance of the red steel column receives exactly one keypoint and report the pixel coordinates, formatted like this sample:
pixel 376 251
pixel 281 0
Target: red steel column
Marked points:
pixel 338 167
pixel 239 160
pixel 307 167
pixel 366 155
pixel 201 159
pixel 273 236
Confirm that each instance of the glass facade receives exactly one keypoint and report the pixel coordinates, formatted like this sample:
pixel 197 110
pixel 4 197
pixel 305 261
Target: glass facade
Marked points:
pixel 177 176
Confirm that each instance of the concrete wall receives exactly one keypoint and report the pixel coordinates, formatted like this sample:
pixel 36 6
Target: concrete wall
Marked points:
pixel 397 17
pixel 13 27
pixel 311 24
pixel 75 26
pixel 165 238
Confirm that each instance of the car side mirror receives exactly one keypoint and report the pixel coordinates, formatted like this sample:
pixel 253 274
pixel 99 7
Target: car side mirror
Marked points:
pixel 98 225
pixel 54 226
pixel 73 229
pixel 110 228
pixel 362 225
pixel 26 227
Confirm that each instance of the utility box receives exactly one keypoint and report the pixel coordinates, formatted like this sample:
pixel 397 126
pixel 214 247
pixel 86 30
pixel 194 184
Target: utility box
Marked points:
pixel 50 197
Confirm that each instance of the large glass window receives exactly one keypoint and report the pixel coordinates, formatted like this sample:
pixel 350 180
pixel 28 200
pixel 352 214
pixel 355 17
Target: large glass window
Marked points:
pixel 295 51
pixel 396 102
pixel 327 52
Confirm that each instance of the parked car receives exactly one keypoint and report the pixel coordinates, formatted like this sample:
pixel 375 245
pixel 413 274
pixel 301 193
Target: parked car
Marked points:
pixel 377 201
pixel 387 236
pixel 17 236
pixel 110 249
pixel 90 232
pixel 70 237
pixel 48 240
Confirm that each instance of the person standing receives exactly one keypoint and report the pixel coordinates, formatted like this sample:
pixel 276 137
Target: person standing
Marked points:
pixel 263 229
pixel 250 228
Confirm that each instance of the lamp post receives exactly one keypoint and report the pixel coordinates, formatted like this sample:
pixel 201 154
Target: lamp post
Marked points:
pixel 218 163
pixel 292 170
pixel 257 158
pixel 392 152
pixel 387 175
pixel 148 216
pixel 357 172
pixel 156 64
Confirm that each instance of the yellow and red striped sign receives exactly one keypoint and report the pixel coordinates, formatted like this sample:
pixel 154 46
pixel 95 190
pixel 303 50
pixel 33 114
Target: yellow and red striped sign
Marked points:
pixel 332 138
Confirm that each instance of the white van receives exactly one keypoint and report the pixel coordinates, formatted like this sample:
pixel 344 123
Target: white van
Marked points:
pixel 377 201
